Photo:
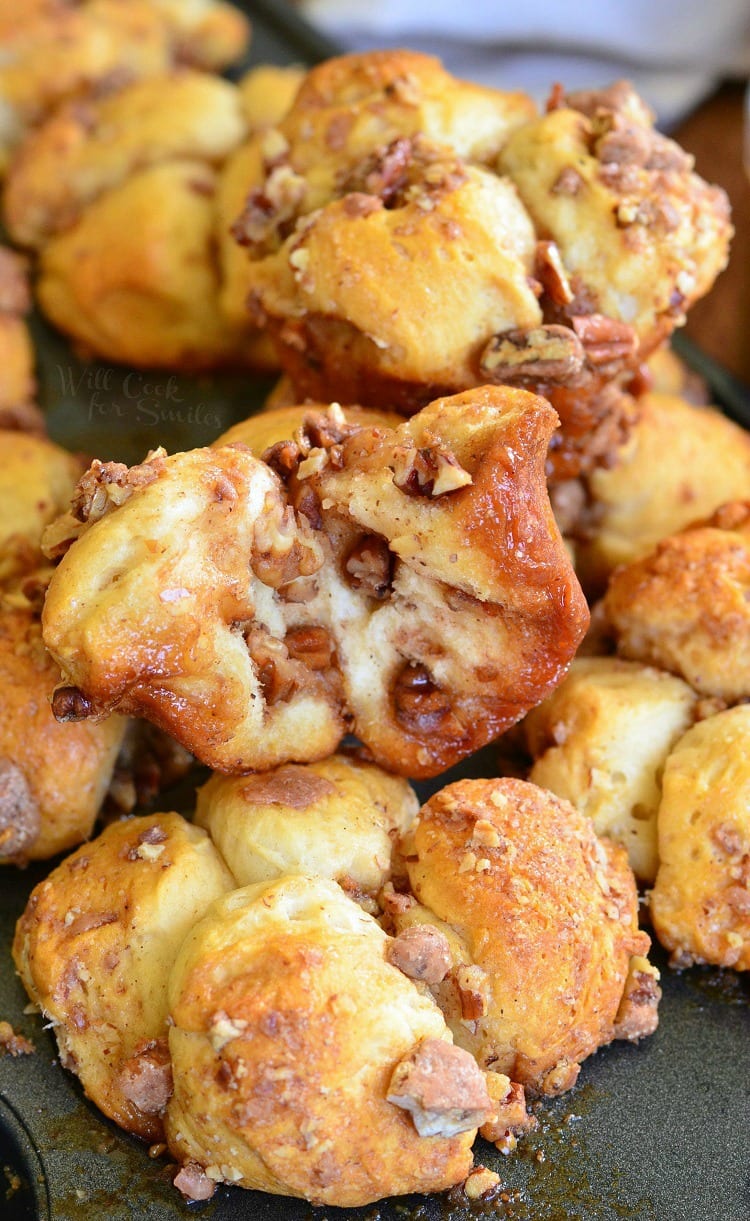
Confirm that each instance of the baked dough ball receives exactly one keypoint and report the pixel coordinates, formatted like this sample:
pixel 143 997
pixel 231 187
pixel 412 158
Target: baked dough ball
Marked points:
pixel 107 43
pixel 157 607
pixel 94 948
pixel 289 1025
pixel 37 479
pixel 103 39
pixel 679 464
pixel 370 212
pixel 17 383
pixel 640 236
pixel 600 741
pixel 88 148
pixel 685 607
pixel 119 194
pixel 137 283
pixel 372 145
pixel 410 584
pixel 336 819
pixel 207 33
pixel 53 777
pixel 542 920
pixel 346 296
pixel 267 91
pixel 700 904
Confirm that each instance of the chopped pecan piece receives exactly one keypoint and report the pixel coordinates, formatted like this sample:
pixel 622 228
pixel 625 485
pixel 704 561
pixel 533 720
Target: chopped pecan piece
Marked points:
pixel 431 471
pixel 369 566
pixel 541 354
pixel 146 1077
pixel 550 271
pixel 192 1180
pixel 638 1015
pixel 20 819
pixel 443 1088
pixel 421 951
pixel 473 991
pixel 311 645
pixel 420 705
pixel 107 485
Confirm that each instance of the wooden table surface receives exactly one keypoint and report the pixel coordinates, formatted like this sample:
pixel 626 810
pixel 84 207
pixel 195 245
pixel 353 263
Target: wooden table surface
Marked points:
pixel 720 323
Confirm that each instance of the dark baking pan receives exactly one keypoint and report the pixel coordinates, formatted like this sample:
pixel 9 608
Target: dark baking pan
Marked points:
pixel 651 1133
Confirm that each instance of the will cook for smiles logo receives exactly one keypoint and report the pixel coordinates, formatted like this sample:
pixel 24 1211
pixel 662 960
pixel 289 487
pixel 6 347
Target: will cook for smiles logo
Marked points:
pixel 134 397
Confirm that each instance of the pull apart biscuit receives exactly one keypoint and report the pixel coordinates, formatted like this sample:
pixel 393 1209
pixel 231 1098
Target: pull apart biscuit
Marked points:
pixel 540 918
pixel 410 584
pixel 700 903
pixel 371 209
pixel 305 1063
pixel 54 778
pixel 119 196
pixel 107 43
pixel 94 949
pixel 679 464
pixel 685 607
pixel 339 819
pixel 600 741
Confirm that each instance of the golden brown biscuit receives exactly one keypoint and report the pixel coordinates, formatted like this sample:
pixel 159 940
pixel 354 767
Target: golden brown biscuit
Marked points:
pixel 94 949
pixel 678 465
pixel 346 296
pixel 206 33
pixel 600 741
pixel 290 1032
pixel 152 301
pixel 107 43
pixel 195 547
pixel 542 920
pixel 37 479
pixel 639 235
pixel 103 40
pixel 409 583
pixel 363 126
pixel 372 210
pixel 685 607
pixel 53 777
pixel 666 373
pixel 267 91
pixel 700 903
pixel 88 148
pixel 336 819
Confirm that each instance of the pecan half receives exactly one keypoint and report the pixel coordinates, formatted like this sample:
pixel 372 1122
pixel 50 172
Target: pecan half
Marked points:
pixel 541 354
pixel 605 340
pixel 70 704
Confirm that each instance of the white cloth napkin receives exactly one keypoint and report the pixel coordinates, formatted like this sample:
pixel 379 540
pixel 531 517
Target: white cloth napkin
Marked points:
pixel 674 51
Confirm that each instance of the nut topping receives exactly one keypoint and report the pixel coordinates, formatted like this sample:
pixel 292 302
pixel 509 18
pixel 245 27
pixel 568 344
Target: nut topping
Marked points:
pixel 369 566
pixel 431 471
pixel 541 354
pixel 605 339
